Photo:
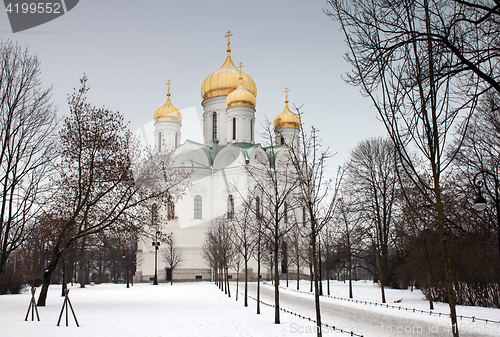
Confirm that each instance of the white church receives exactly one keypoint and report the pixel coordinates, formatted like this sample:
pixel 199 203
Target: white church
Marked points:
pixel 219 166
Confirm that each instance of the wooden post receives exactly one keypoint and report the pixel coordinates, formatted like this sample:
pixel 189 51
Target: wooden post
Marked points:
pixel 32 307
pixel 65 306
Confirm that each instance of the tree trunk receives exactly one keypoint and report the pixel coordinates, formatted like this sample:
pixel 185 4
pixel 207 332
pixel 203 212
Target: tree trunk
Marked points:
pixel 429 293
pixel 47 275
pixel 298 276
pixel 328 280
pixel 246 283
pixel 258 274
pixel 349 266
pixel 227 283
pixel 276 284
pixel 81 273
pixel 237 283
pixel 427 262
pixel 312 277
pixel 447 263
pixel 381 276
pixel 316 287
pixel 64 281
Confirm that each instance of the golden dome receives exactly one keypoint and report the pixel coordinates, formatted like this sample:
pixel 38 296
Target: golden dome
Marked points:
pixel 241 97
pixel 286 119
pixel 225 80
pixel 168 112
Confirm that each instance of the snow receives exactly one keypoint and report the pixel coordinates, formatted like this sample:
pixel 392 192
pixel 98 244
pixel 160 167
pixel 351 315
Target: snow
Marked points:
pixel 201 309
pixel 371 320
pixel 183 309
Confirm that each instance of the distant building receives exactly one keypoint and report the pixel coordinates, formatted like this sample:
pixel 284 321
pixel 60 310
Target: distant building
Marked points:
pixel 219 165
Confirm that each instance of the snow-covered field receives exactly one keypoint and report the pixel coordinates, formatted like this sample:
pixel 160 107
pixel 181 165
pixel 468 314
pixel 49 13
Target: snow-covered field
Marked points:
pixel 201 309
pixel 109 310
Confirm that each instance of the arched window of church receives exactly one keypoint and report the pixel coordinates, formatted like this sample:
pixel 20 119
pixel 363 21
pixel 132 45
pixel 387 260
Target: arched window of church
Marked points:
pixel 257 207
pixel 176 139
pixel 234 128
pixel 214 126
pixel 303 216
pixel 251 130
pixel 159 141
pixel 230 207
pixel 282 140
pixel 171 209
pixel 197 207
pixel 285 213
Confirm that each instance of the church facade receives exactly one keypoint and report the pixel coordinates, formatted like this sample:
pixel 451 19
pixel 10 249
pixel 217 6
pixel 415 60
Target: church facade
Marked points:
pixel 219 166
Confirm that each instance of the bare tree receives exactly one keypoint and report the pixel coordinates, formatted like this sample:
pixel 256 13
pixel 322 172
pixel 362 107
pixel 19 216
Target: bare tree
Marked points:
pixel 102 178
pixel 218 250
pixel 350 227
pixel 372 179
pixel 316 191
pixel 27 122
pixel 172 254
pixel 410 79
pixel 275 182
pixel 242 234
pixel 297 246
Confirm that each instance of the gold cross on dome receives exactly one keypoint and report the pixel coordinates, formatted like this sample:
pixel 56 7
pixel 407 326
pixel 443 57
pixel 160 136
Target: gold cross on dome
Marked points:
pixel 228 36
pixel 168 84
pixel 240 66
pixel 286 92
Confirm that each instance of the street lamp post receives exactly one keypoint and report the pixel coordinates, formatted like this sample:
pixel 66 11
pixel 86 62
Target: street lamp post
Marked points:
pixel 125 258
pixel 480 201
pixel 156 244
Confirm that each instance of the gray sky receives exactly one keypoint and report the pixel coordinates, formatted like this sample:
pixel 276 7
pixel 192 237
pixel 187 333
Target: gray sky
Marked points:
pixel 129 49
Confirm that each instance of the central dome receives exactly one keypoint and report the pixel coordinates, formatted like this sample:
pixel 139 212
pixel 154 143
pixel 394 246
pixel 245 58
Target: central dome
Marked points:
pixel 225 80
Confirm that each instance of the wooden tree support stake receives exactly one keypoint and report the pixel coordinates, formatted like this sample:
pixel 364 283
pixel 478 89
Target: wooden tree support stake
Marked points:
pixel 65 307
pixel 32 307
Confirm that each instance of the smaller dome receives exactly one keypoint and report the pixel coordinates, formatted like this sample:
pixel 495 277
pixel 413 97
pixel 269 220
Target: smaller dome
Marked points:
pixel 241 97
pixel 286 119
pixel 168 112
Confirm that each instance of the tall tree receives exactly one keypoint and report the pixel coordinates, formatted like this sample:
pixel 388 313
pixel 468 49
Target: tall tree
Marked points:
pixel 242 234
pixel 373 180
pixel 316 191
pixel 27 122
pixel 349 221
pixel 275 182
pixel 409 77
pixel 102 177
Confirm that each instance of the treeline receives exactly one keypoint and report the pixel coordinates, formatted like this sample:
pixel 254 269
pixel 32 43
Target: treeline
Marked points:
pixel 76 194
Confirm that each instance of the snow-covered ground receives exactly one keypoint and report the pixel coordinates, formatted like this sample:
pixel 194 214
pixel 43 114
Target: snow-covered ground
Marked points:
pixel 201 309
pixel 371 320
pixel 108 310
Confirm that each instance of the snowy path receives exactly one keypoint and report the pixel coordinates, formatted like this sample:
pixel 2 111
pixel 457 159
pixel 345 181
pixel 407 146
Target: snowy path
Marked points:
pixel 369 320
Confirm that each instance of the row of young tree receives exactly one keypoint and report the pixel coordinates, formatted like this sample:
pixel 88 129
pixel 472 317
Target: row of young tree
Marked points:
pixel 75 193
pixel 430 69
pixel 370 218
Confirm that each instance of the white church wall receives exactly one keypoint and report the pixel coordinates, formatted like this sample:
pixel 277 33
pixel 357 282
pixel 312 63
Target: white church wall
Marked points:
pixel 211 105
